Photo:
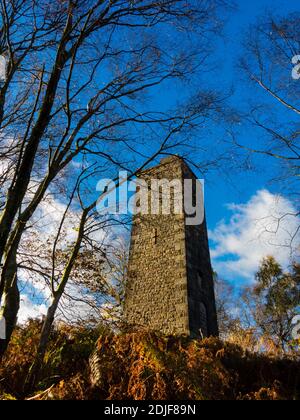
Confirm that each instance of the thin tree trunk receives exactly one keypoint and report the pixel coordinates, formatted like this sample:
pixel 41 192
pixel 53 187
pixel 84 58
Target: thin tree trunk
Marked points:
pixel 2 102
pixel 20 184
pixel 34 372
pixel 13 241
pixel 10 307
pixel 9 280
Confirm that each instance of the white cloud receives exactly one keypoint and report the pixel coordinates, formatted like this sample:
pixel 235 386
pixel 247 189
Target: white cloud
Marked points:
pixel 48 216
pixel 266 225
pixel 3 66
pixel 29 309
pixel 45 223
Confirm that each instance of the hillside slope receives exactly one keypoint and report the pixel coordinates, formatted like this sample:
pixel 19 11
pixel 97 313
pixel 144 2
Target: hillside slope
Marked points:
pixel 143 365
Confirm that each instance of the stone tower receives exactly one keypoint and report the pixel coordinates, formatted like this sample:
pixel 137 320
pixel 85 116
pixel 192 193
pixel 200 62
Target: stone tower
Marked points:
pixel 170 281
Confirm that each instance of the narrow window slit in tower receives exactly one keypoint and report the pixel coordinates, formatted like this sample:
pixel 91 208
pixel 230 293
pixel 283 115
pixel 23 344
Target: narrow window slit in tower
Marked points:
pixel 155 236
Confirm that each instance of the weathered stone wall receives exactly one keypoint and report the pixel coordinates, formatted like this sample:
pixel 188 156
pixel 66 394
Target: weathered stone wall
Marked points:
pixel 200 283
pixel 156 295
pixel 166 259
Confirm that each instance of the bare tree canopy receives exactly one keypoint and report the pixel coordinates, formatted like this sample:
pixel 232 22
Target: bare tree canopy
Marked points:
pixel 265 127
pixel 76 104
pixel 270 57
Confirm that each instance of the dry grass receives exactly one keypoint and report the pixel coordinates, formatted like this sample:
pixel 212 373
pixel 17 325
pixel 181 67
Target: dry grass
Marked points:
pixel 143 365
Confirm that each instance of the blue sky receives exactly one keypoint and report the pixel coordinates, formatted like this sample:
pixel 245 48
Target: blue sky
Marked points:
pixel 246 188
pixel 240 188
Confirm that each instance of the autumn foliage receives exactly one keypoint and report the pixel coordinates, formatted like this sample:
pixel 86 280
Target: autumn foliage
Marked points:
pixel 147 366
pixel 143 365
